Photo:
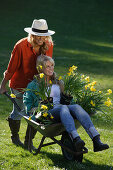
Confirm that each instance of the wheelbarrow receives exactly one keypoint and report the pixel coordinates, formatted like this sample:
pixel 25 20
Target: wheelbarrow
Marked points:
pixel 52 131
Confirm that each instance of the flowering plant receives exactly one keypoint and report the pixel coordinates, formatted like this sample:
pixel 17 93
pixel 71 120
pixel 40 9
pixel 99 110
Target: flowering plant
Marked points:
pixel 72 81
pixel 84 92
pixel 41 113
pixel 43 90
pixel 72 85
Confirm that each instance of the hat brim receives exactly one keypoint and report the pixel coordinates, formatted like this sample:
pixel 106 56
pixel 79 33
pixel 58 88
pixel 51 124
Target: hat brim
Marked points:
pixel 29 30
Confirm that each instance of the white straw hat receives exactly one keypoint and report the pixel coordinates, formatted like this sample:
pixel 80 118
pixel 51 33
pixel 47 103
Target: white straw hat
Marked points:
pixel 40 28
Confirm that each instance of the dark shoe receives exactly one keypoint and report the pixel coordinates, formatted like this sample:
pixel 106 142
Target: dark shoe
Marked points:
pixel 14 127
pixel 78 144
pixel 98 145
pixel 17 141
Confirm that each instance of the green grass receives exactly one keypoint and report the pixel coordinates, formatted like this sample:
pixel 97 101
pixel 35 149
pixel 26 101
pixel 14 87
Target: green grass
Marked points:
pixel 84 37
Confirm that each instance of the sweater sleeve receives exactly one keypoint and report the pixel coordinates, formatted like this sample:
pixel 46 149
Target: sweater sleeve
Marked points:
pixel 30 100
pixel 14 62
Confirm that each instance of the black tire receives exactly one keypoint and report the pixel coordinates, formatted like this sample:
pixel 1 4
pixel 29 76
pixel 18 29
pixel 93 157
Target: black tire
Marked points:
pixel 66 141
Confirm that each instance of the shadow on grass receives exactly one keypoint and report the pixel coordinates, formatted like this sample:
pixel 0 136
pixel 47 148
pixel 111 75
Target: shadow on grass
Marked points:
pixel 60 162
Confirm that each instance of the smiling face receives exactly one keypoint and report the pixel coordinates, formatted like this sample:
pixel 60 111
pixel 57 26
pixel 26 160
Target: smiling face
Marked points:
pixel 49 68
pixel 39 40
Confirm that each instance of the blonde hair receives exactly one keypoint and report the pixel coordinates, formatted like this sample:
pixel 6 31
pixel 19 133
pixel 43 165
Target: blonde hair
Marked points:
pixel 41 63
pixel 45 45
pixel 42 59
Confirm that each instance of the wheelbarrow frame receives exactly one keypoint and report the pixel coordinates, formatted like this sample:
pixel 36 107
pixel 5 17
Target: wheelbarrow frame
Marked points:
pixel 50 131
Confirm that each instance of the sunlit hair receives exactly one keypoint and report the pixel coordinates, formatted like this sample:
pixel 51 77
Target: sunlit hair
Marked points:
pixel 45 45
pixel 42 60
pixel 41 64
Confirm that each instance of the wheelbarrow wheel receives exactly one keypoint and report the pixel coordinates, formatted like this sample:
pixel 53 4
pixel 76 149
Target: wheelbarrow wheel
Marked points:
pixel 66 141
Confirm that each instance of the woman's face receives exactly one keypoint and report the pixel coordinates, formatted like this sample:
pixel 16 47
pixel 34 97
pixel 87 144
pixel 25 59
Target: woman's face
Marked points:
pixel 49 68
pixel 39 40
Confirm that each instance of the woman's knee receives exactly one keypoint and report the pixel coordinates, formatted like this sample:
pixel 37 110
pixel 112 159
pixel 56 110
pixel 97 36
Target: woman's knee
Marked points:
pixel 64 110
pixel 76 106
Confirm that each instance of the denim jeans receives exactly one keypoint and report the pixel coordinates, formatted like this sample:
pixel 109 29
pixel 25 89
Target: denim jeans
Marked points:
pixel 66 115
pixel 19 100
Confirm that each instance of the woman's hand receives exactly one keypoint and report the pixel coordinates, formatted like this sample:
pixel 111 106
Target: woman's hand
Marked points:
pixel 2 90
pixel 65 99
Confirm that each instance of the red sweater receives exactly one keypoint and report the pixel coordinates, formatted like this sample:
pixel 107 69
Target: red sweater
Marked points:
pixel 22 65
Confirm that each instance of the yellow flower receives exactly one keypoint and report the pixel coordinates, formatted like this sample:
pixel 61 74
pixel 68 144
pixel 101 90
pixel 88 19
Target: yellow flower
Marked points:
pixel 92 88
pixel 109 91
pixel 44 107
pixel 86 86
pixel 12 95
pixel 50 82
pixel 39 67
pixel 82 76
pixel 30 118
pixel 45 114
pixel 108 103
pixel 69 74
pixel 60 77
pixel 87 78
pixel 70 69
pixel 89 85
pixel 74 67
pixel 92 103
pixel 51 117
pixel 93 83
pixel 41 75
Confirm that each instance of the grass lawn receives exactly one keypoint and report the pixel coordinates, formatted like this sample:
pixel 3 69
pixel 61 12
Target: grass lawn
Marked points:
pixel 84 37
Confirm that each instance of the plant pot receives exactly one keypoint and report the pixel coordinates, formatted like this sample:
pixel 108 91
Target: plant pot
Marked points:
pixel 65 99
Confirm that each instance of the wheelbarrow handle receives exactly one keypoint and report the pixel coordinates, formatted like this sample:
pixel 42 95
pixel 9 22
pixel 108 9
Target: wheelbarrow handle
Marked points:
pixel 13 100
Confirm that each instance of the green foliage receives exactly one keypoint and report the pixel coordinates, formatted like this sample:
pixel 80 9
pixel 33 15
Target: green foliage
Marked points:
pixel 85 93
pixel 72 82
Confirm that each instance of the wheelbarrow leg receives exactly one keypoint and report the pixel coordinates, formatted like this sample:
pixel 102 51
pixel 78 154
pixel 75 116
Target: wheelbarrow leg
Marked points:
pixel 39 147
pixel 29 140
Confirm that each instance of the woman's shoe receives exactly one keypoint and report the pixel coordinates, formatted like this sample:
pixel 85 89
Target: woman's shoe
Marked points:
pixel 79 144
pixel 98 145
pixel 14 127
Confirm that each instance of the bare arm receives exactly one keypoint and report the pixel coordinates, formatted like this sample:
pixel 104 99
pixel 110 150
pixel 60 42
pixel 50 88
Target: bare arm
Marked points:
pixel 3 86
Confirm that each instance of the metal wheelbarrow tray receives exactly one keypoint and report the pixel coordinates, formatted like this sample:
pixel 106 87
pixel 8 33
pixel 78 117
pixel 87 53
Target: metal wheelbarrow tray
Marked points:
pixel 52 131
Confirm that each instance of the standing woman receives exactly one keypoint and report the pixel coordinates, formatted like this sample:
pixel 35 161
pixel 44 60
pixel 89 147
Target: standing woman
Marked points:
pixel 22 68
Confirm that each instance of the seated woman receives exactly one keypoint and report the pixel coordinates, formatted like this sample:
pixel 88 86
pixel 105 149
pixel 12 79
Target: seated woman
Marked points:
pixel 63 113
